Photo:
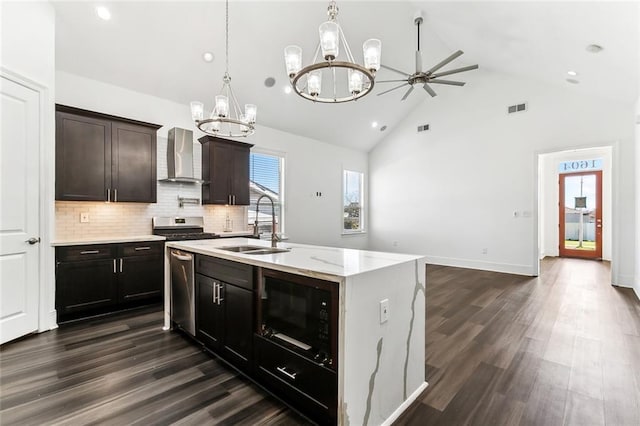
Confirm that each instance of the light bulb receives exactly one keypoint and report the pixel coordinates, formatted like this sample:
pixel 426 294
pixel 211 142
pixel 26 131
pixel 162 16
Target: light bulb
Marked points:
pixel 329 39
pixel 197 110
pixel 222 106
pixel 314 83
pixel 355 81
pixel 250 112
pixel 372 49
pixel 293 60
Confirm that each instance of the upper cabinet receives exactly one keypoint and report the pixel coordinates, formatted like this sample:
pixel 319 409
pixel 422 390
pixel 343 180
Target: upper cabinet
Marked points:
pixel 104 158
pixel 225 168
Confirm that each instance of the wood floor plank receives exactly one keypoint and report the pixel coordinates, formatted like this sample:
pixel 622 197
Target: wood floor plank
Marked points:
pixel 561 348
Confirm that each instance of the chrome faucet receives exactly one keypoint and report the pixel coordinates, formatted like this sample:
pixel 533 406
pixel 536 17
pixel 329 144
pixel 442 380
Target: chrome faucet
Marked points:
pixel 274 237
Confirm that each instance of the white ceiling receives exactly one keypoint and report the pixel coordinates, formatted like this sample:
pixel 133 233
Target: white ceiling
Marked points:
pixel 156 47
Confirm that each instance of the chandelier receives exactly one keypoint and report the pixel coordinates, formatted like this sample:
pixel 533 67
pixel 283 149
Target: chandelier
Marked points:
pixel 349 80
pixel 226 119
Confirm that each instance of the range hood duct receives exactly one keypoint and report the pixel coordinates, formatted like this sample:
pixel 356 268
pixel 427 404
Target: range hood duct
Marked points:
pixel 180 157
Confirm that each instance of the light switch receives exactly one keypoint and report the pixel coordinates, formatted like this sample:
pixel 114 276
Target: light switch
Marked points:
pixel 384 311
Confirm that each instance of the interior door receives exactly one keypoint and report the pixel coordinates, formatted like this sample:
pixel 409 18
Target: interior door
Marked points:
pixel 581 215
pixel 19 217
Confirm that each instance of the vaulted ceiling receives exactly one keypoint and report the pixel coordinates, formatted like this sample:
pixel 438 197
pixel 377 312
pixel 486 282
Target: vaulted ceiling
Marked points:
pixel 156 47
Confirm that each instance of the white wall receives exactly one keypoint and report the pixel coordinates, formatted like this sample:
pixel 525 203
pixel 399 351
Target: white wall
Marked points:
pixel 637 280
pixel 450 192
pixel 28 51
pixel 310 165
pixel 549 196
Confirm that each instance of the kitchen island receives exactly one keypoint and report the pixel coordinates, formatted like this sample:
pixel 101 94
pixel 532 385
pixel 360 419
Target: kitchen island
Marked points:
pixel 380 318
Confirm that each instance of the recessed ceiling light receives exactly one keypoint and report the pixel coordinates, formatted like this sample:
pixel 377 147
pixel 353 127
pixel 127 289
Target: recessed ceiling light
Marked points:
pixel 572 81
pixel 269 81
pixel 207 56
pixel 374 124
pixel 287 89
pixel 594 48
pixel 103 13
pixel 572 73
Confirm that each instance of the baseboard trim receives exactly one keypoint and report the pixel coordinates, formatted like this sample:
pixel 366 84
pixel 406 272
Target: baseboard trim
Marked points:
pixel 623 281
pixel 482 265
pixel 50 322
pixel 401 409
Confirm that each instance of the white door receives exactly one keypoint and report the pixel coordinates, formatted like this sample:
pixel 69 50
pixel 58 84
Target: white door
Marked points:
pixel 19 209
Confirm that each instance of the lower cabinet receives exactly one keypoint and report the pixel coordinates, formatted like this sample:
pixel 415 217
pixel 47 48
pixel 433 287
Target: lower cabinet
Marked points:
pixel 100 278
pixel 85 286
pixel 224 311
pixel 226 323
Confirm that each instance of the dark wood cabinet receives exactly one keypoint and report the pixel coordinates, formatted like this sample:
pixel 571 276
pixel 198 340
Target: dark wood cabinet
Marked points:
pixel 85 285
pixel 225 308
pixel 100 278
pixel 104 158
pixel 225 169
pixel 209 313
pixel 141 271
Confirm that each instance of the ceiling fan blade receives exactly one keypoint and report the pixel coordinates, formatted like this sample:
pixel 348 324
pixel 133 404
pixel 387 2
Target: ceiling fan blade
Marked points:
pixel 445 62
pixel 457 70
pixel 408 92
pixel 390 81
pixel 395 70
pixel 397 87
pixel 449 82
pixel 429 90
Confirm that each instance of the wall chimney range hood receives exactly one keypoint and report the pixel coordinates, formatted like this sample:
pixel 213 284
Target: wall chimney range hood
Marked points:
pixel 180 157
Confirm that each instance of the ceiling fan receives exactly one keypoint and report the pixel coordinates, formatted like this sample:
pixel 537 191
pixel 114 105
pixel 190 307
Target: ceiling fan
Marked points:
pixel 426 77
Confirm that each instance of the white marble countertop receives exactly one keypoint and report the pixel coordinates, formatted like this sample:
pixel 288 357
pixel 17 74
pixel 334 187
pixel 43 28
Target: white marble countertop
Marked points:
pixel 109 239
pixel 329 263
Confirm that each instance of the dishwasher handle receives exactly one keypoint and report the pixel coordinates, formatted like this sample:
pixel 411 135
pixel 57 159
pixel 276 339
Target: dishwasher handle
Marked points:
pixel 184 257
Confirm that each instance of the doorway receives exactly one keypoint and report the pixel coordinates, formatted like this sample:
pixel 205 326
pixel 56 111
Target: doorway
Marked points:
pixel 580 214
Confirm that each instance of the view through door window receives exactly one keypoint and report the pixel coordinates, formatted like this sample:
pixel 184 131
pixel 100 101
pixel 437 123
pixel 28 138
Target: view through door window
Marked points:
pixel 581 214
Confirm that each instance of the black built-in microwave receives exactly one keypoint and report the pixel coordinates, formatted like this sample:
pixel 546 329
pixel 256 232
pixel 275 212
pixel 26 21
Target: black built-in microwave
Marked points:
pixel 300 313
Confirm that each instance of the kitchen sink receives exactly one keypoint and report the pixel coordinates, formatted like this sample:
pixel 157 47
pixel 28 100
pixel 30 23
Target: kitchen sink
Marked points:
pixel 254 249
pixel 241 249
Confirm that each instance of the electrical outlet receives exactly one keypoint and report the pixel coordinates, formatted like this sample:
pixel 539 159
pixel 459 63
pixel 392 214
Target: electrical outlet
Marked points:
pixel 384 311
pixel 84 217
pixel 485 250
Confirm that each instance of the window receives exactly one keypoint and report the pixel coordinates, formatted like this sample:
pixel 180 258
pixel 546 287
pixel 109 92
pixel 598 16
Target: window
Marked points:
pixel 353 202
pixel 266 173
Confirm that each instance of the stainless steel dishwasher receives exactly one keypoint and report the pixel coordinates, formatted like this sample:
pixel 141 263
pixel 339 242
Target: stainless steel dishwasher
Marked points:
pixel 183 291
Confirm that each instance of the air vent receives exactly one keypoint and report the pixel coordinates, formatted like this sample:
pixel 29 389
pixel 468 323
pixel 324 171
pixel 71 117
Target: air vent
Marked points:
pixel 423 128
pixel 517 108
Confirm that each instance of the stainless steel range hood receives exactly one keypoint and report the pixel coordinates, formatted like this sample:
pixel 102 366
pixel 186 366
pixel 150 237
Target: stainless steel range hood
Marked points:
pixel 180 157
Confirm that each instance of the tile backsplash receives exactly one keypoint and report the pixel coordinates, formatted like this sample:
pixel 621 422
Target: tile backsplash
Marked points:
pixel 131 219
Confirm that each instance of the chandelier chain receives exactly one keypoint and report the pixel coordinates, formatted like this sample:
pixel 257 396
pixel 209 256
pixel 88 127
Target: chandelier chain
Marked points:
pixel 227 36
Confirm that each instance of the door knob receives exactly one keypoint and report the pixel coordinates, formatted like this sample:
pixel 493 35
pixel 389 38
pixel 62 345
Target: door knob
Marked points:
pixel 33 240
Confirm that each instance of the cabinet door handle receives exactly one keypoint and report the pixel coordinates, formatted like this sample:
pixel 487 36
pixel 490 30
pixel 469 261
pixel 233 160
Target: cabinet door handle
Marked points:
pixel 120 264
pixel 142 248
pixel 114 266
pixel 215 285
pixel 90 252
pixel 284 371
pixel 115 195
pixel 220 299
pixel 234 200
pixel 108 195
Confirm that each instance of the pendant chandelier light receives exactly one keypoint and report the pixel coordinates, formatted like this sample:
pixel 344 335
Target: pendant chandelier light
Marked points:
pixel 226 119
pixel 350 81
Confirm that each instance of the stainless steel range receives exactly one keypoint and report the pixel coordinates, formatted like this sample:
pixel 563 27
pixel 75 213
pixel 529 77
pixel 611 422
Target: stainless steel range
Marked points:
pixel 181 228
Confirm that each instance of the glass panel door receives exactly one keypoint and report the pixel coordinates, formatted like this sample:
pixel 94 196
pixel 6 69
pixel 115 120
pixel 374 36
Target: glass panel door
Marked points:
pixel 581 215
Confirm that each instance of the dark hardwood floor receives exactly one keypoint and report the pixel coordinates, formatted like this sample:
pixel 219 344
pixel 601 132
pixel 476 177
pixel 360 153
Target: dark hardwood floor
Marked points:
pixel 560 349
pixel 563 348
